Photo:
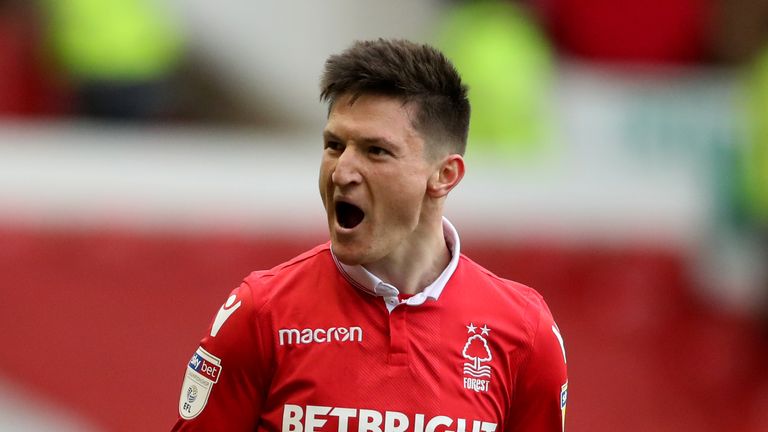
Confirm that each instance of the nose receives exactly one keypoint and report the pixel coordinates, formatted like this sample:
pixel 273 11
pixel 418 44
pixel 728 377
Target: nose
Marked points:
pixel 347 170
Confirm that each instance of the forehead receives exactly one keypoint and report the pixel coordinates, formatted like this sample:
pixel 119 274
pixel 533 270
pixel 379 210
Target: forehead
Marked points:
pixel 371 114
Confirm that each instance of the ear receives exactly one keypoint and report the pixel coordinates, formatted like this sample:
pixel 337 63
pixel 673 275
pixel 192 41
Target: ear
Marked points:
pixel 448 174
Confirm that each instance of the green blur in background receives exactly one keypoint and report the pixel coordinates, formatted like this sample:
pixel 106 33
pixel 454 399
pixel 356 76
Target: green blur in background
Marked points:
pixel 507 64
pixel 755 153
pixel 112 40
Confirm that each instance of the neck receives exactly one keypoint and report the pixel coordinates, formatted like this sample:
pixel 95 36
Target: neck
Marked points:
pixel 419 263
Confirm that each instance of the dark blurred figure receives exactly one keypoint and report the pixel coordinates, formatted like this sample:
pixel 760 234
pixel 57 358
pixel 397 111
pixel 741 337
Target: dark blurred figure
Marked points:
pixel 740 31
pixel 657 31
pixel 29 85
pixel 741 39
pixel 121 56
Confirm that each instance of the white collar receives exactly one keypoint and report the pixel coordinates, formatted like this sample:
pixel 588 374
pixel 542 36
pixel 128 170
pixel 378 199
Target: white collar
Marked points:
pixel 366 281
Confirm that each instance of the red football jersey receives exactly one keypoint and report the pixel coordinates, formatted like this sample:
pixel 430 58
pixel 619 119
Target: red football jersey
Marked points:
pixel 315 345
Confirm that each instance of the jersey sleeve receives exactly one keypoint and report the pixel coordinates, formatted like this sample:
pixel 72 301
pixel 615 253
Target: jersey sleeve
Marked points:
pixel 541 388
pixel 226 378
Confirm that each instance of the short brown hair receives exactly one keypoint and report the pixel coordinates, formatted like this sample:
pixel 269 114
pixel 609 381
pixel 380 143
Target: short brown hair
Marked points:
pixel 414 73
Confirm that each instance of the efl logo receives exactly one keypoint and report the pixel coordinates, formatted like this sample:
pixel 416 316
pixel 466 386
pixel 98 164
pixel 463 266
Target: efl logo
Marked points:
pixel 202 373
pixel 207 369
pixel 308 335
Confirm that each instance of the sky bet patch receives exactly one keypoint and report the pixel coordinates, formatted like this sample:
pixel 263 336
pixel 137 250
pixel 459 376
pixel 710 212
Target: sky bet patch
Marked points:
pixel 563 402
pixel 202 373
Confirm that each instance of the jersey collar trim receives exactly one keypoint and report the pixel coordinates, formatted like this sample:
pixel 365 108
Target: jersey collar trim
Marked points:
pixel 364 280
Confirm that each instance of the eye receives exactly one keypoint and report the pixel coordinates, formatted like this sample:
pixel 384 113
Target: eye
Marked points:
pixel 378 151
pixel 333 146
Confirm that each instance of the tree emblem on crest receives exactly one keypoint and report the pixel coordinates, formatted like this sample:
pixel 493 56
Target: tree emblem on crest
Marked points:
pixel 476 351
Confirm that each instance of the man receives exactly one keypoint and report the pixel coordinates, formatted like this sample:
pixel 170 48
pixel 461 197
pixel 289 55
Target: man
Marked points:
pixel 388 327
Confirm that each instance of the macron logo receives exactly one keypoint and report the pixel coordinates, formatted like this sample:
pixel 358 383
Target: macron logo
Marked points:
pixel 226 310
pixel 333 334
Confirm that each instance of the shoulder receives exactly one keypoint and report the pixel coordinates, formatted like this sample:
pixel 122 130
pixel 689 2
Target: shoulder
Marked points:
pixel 246 312
pixel 517 310
pixel 508 292
pixel 264 285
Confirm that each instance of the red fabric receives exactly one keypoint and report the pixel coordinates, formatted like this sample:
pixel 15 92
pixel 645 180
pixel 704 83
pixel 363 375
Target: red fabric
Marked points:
pixel 418 365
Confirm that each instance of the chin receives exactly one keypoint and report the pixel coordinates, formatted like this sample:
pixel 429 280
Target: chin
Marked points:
pixel 347 255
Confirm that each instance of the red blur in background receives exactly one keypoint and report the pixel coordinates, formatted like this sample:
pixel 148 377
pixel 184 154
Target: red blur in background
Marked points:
pixel 103 324
pixel 29 84
pixel 650 31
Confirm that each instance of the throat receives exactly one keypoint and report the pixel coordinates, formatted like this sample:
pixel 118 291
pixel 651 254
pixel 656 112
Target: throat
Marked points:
pixel 413 273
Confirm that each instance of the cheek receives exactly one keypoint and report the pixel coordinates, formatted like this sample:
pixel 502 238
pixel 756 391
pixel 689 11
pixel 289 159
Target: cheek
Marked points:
pixel 323 191
pixel 322 180
pixel 405 197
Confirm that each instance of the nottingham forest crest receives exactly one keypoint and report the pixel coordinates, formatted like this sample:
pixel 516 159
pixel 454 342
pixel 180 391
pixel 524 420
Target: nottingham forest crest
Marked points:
pixel 477 376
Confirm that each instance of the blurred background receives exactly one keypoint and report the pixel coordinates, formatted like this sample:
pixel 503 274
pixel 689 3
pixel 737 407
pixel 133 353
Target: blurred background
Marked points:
pixel 154 152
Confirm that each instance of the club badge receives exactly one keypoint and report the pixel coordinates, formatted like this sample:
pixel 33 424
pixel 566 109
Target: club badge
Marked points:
pixel 477 376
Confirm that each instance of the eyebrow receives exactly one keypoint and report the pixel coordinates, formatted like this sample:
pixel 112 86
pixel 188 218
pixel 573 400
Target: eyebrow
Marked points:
pixel 367 141
pixel 378 141
pixel 330 135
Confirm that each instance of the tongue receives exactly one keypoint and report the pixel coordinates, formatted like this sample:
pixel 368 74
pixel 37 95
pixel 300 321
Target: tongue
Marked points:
pixel 348 215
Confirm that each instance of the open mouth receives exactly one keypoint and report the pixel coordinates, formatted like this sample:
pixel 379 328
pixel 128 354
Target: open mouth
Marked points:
pixel 348 215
